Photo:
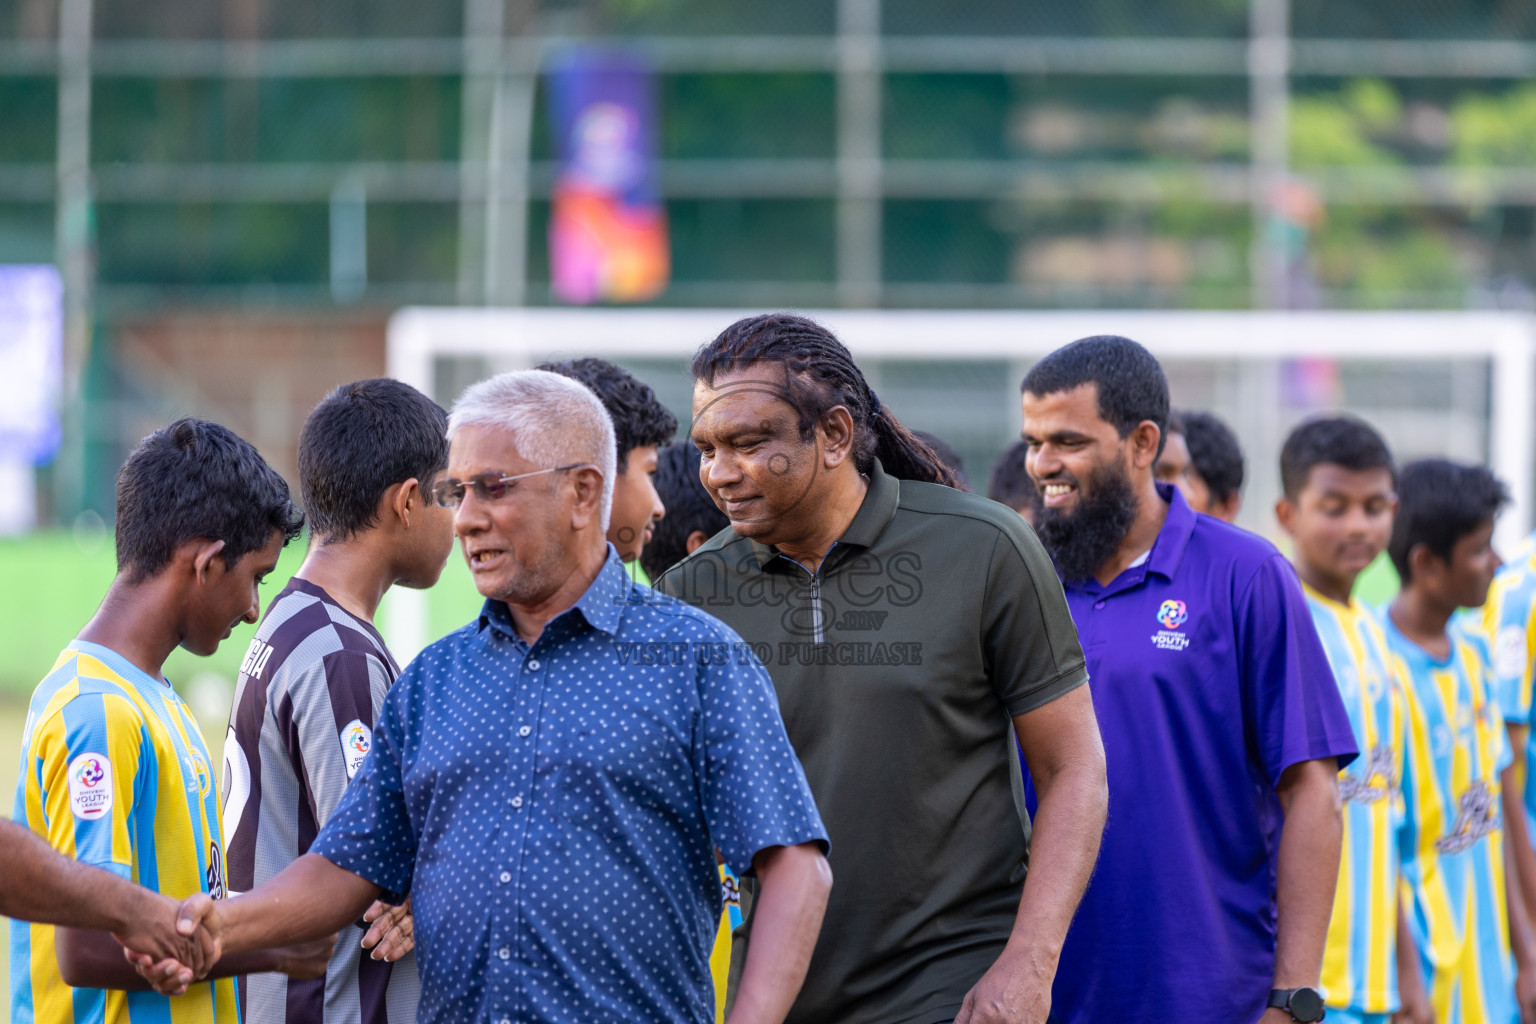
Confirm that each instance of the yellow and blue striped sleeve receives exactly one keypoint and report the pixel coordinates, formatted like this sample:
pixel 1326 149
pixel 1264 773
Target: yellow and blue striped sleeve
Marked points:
pixel 87 758
pixel 1510 626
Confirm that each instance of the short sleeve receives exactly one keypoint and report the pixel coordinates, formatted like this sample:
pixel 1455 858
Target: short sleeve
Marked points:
pixel 333 715
pixel 1029 641
pixel 87 757
pixel 754 790
pixel 370 834
pixel 1292 708
pixel 1507 623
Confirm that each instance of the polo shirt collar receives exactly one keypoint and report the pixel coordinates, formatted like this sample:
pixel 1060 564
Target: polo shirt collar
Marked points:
pixel 602 606
pixel 1173 538
pixel 1165 556
pixel 874 515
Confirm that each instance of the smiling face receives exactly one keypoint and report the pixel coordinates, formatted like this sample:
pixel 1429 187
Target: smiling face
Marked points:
pixel 226 595
pixel 636 505
pixel 516 546
pixel 1069 444
pixel 753 461
pixel 1340 520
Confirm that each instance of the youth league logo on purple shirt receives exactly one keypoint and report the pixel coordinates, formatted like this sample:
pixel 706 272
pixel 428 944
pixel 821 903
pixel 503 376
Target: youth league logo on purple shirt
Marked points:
pixel 1171 614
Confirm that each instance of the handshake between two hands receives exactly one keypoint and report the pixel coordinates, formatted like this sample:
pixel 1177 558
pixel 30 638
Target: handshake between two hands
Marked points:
pixel 180 943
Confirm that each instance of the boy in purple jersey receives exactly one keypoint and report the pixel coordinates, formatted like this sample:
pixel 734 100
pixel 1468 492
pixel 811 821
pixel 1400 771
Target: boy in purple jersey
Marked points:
pixel 316 674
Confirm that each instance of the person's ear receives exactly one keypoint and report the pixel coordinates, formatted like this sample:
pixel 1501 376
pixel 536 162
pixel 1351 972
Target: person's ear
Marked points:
pixel 1227 508
pixel 1285 512
pixel 1144 438
pixel 203 556
pixel 696 540
pixel 405 500
pixel 587 482
pixel 836 429
pixel 1423 565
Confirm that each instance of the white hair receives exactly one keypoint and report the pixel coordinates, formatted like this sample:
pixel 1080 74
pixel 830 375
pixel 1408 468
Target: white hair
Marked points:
pixel 554 420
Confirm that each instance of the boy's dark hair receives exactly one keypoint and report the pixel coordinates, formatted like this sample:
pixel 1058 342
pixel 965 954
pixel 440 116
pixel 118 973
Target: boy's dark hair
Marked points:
pixel 1342 440
pixel 1131 382
pixel 638 418
pixel 820 374
pixel 196 479
pixel 689 507
pixel 1010 482
pixel 1213 451
pixel 947 455
pixel 1438 503
pixel 362 439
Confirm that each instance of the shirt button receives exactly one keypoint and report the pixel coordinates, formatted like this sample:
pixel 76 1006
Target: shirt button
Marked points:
pixel 504 1021
pixel 524 731
pixel 533 666
pixel 517 801
pixel 1099 606
pixel 504 953
pixel 506 876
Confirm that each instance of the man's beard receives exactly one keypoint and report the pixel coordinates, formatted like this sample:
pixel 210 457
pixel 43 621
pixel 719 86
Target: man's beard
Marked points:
pixel 1081 542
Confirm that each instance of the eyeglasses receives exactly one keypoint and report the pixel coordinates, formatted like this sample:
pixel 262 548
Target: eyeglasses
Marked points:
pixel 449 493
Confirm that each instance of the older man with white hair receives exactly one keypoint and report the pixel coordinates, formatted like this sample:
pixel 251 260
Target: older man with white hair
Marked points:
pixel 549 784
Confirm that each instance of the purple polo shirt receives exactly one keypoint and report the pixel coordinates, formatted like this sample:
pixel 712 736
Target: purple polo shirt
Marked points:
pixel 1209 681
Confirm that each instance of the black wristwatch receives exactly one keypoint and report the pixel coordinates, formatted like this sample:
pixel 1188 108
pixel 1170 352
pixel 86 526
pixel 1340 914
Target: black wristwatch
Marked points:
pixel 1304 1004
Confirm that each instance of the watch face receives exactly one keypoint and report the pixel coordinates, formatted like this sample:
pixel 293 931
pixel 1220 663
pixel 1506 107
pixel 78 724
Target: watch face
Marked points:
pixel 1306 1005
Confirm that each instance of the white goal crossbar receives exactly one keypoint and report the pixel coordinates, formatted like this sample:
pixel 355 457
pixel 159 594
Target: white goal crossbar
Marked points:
pixel 510 338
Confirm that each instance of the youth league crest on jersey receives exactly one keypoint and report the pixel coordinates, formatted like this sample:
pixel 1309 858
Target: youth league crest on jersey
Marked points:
pixel 1509 653
pixel 1171 615
pixel 90 786
pixel 199 775
pixel 356 741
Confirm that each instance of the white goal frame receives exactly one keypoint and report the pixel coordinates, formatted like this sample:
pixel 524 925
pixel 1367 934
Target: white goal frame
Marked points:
pixel 520 337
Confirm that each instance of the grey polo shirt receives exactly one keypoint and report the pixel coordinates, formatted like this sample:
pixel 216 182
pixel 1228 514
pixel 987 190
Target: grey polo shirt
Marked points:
pixel 898 665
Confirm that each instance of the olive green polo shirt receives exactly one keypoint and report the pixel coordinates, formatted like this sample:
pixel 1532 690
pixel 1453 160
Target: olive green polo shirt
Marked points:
pixel 898 664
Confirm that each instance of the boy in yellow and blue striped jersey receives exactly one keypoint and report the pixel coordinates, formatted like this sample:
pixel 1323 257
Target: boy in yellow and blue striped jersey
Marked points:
pixel 1339 497
pixel 1509 621
pixel 1461 917
pixel 114 770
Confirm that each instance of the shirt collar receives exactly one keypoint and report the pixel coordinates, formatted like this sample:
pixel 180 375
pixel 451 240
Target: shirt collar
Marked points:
pixel 602 606
pixel 1173 538
pixel 1163 558
pixel 874 515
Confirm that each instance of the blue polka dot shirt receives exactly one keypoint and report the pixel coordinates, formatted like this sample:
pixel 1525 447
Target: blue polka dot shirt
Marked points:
pixel 554 810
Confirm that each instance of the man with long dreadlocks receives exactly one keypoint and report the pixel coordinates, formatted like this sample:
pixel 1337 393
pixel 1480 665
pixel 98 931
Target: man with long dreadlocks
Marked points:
pixel 912 632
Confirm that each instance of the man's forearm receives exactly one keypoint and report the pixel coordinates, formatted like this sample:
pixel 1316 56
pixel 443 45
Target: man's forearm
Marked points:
pixel 1061 743
pixel 94 959
pixel 1068 827
pixel 309 899
pixel 1307 872
pixel 39 884
pixel 793 884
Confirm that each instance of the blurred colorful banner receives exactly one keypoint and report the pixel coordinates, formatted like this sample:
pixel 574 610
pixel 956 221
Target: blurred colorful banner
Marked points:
pixel 608 225
pixel 31 375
